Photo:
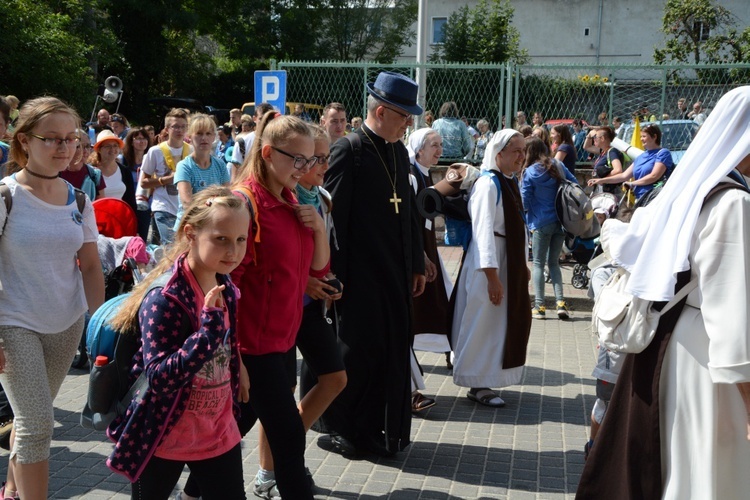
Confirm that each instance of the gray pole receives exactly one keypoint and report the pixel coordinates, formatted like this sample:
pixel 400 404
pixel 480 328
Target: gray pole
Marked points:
pixel 422 34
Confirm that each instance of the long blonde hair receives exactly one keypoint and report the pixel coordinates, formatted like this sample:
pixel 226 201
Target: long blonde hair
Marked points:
pixel 198 215
pixel 275 130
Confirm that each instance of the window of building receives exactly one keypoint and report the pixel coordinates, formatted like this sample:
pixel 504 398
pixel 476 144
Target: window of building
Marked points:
pixel 438 36
pixel 702 29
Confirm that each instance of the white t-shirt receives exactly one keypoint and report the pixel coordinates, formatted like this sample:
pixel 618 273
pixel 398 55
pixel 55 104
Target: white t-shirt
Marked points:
pixel 237 157
pixel 115 187
pixel 42 287
pixel 165 197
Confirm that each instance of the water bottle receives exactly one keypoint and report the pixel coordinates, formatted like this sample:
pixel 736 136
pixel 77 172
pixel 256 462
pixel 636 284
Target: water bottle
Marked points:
pixel 102 385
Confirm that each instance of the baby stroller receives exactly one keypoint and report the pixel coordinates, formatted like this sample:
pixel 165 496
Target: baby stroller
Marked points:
pixel 584 249
pixel 120 252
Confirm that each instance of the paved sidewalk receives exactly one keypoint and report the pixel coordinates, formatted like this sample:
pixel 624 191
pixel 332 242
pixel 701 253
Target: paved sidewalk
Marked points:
pixel 532 448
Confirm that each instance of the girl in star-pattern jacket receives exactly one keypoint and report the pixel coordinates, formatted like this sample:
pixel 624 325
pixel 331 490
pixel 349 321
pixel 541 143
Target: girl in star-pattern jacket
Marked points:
pixel 190 354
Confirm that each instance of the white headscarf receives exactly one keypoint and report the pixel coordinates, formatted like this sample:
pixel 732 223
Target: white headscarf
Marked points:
pixel 654 247
pixel 416 142
pixel 499 140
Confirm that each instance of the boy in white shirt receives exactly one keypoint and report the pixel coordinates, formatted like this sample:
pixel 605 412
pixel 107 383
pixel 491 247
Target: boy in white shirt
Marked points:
pixel 157 173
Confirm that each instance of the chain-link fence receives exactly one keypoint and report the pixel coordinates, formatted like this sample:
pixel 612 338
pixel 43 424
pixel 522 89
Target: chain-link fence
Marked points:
pixel 554 91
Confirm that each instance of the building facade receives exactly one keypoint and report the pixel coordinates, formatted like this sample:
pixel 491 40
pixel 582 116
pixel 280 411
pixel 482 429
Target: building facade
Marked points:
pixel 578 31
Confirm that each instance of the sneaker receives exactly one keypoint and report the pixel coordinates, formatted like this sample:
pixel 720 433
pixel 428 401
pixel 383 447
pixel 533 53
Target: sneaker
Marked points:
pixel 538 312
pixel 180 496
pixel 562 310
pixel 266 489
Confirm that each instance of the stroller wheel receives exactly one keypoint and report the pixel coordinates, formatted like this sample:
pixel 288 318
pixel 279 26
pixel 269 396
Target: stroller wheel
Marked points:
pixel 579 281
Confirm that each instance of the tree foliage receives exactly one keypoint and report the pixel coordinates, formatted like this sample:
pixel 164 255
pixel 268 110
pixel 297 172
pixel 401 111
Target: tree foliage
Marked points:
pixel 366 29
pixel 701 31
pixel 203 50
pixel 49 48
pixel 484 34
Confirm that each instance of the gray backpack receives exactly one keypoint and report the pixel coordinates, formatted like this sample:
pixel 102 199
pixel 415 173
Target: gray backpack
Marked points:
pixel 574 209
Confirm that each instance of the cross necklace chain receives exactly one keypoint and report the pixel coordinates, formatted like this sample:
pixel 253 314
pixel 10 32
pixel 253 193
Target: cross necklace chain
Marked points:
pixel 395 200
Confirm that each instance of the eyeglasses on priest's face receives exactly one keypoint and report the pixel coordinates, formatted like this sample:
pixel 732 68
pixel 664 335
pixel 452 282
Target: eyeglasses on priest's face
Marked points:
pixel 300 162
pixel 404 116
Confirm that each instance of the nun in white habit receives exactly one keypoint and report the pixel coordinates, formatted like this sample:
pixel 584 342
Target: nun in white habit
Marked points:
pixel 704 381
pixel 486 355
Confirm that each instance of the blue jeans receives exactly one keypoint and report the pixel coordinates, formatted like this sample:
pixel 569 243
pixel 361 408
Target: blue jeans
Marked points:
pixel 165 223
pixel 546 243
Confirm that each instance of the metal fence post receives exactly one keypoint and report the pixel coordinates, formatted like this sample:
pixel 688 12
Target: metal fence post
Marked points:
pixel 663 96
pixel 509 68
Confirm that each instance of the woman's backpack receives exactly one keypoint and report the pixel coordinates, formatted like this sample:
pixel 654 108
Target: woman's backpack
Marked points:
pixel 574 209
pixel 110 391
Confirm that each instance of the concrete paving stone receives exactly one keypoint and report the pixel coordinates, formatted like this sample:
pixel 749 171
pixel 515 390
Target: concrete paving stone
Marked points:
pixel 525 465
pixel 405 494
pixel 525 474
pixel 407 482
pixel 376 487
pixel 465 491
pixel 492 492
pixel 435 495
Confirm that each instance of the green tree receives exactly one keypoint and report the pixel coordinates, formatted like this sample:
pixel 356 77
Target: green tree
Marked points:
pixel 48 48
pixel 484 34
pixel 355 30
pixel 701 31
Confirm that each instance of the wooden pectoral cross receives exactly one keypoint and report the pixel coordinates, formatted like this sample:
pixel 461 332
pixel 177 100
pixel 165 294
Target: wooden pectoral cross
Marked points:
pixel 395 200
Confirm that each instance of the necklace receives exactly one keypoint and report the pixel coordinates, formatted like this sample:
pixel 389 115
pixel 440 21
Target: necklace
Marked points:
pixel 48 177
pixel 395 200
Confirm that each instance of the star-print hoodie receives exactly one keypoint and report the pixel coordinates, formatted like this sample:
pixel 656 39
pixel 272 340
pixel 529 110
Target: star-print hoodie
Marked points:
pixel 176 342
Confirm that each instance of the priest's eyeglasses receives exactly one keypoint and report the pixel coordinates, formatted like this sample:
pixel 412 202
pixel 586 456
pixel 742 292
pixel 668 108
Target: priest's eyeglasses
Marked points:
pixel 300 162
pixel 403 116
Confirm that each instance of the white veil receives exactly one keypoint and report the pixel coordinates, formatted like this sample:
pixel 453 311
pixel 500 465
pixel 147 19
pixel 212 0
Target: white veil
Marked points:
pixel 654 247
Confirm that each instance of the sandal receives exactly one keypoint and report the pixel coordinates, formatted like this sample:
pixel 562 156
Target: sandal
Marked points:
pixel 420 402
pixel 486 397
pixel 4 497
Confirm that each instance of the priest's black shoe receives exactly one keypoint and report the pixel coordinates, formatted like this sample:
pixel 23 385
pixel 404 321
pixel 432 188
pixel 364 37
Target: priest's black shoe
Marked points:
pixel 338 444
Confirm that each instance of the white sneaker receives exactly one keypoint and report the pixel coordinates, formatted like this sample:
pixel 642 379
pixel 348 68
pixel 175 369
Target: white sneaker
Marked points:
pixel 265 489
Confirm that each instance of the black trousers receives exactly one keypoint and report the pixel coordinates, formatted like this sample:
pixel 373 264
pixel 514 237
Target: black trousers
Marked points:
pixel 219 478
pixel 272 401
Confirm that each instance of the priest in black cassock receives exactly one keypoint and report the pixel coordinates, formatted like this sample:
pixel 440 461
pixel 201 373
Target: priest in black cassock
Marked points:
pixel 380 260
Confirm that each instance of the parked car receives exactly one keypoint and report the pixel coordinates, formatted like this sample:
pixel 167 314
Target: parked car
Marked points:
pixel 160 106
pixel 676 135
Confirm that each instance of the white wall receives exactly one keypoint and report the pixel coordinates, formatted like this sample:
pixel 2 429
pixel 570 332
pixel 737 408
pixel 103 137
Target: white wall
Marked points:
pixel 553 30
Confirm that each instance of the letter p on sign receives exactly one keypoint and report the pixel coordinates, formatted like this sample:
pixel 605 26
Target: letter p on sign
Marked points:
pixel 270 87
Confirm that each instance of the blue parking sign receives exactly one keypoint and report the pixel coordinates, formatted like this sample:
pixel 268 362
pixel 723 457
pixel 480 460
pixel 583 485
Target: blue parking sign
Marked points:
pixel 270 87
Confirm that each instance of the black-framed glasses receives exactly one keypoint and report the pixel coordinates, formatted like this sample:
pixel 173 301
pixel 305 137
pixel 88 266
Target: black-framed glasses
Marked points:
pixel 52 142
pixel 404 116
pixel 300 162
pixel 322 159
